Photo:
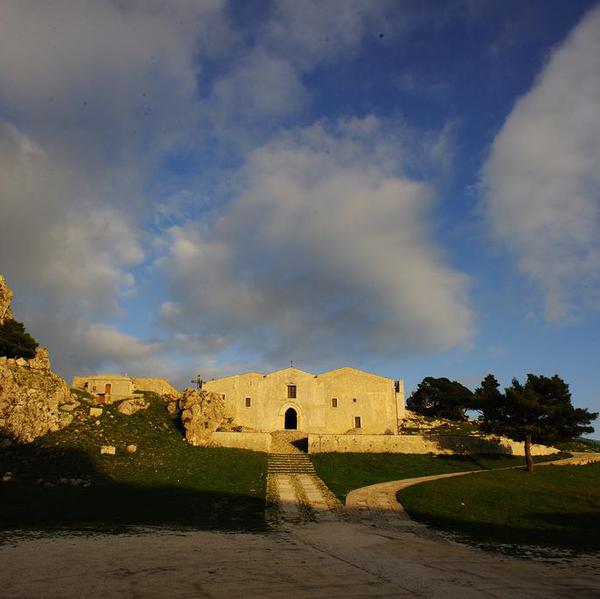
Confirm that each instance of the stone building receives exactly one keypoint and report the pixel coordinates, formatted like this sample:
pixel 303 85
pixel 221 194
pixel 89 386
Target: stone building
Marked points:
pixel 336 402
pixel 116 386
pixel 113 386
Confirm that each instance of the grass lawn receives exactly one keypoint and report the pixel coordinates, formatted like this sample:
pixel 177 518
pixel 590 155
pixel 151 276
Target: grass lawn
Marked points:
pixel 165 483
pixel 556 506
pixel 343 472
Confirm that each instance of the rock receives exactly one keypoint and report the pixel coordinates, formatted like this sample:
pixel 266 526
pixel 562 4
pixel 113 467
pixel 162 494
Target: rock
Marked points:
pixel 95 412
pixel 41 360
pixel 129 407
pixel 7 477
pixel 30 397
pixel 65 419
pixel 131 448
pixel 202 413
pixel 69 407
pixel 48 484
pixel 108 450
pixel 172 408
pixel 6 296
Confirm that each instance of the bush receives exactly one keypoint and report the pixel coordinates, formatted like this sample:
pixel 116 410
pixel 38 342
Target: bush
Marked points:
pixel 15 341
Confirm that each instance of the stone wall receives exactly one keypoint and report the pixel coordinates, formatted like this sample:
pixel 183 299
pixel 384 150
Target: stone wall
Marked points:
pixel 420 444
pixel 252 441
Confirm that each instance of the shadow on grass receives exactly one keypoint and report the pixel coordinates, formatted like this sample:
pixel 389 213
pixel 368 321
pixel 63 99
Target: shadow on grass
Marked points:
pixel 573 531
pixel 26 503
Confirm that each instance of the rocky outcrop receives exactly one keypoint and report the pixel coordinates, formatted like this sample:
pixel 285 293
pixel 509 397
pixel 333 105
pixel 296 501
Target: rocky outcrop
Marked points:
pixel 202 412
pixel 131 406
pixel 31 398
pixel 31 395
pixel 6 296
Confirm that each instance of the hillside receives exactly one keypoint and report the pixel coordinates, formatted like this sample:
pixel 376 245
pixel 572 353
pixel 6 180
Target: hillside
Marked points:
pixel 165 482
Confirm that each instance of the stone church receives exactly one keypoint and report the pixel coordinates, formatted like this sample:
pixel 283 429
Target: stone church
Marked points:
pixel 334 402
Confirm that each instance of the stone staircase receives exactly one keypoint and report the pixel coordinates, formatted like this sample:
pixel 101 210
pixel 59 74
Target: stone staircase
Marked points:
pixel 286 463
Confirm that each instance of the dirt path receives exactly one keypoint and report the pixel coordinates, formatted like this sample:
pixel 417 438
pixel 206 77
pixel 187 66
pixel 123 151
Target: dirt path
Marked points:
pixel 317 560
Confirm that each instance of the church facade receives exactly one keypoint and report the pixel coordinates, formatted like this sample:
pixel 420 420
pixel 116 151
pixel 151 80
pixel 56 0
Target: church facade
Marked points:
pixel 345 400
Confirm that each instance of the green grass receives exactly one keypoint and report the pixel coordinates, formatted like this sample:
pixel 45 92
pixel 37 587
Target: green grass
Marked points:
pixel 165 483
pixel 556 506
pixel 343 472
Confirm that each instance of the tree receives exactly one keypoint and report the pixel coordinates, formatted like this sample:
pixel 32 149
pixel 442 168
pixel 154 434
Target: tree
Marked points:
pixel 540 411
pixel 15 341
pixel 441 398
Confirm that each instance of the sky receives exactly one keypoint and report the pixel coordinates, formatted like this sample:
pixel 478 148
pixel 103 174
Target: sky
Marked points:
pixel 214 187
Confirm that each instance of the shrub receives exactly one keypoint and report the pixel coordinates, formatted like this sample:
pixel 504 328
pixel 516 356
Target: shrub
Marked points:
pixel 15 341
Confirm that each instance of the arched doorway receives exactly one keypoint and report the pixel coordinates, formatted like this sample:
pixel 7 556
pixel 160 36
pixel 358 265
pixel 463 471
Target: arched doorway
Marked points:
pixel 290 420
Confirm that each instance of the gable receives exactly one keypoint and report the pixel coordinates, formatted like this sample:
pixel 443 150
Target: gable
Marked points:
pixel 348 370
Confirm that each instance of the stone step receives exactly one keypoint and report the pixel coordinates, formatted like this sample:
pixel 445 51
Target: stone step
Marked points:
pixel 298 460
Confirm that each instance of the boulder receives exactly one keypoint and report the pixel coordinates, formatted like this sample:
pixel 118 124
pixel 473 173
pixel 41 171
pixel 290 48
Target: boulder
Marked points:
pixel 172 408
pixel 202 413
pixel 131 406
pixel 131 448
pixel 95 412
pixel 108 450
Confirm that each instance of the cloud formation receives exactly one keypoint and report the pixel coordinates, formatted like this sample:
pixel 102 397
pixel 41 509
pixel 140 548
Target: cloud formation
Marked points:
pixel 326 251
pixel 92 95
pixel 542 179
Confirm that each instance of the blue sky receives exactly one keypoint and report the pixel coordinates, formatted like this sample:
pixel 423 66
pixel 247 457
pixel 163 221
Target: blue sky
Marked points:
pixel 408 187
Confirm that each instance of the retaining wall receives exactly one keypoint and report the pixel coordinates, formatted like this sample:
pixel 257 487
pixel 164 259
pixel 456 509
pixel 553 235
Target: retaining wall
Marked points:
pixel 253 441
pixel 438 444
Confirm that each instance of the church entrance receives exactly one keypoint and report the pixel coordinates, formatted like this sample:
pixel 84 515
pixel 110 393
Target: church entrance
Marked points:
pixel 291 420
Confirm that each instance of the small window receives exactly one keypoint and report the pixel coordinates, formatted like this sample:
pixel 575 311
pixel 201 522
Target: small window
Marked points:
pixel 354 399
pixel 248 402
pixel 334 402
pixel 291 391
pixel 357 422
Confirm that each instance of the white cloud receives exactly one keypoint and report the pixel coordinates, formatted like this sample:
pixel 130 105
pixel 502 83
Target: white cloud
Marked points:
pixel 265 84
pixel 327 250
pixel 92 94
pixel 542 180
pixel 314 32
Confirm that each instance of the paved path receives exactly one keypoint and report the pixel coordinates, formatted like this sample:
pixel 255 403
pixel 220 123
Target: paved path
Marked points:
pixel 294 490
pixel 378 503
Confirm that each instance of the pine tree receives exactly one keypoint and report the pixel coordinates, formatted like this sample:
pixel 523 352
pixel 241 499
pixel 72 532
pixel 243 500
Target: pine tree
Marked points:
pixel 15 341
pixel 538 412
